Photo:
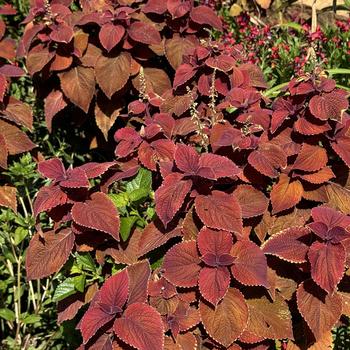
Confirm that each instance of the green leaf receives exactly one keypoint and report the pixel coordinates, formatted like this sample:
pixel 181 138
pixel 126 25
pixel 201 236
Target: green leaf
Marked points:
pixel 20 234
pixel 158 263
pixel 20 220
pixel 126 224
pixel 31 319
pixel 143 180
pixel 338 71
pixel 150 212
pixel 292 25
pixel 65 289
pixel 75 269
pixel 139 194
pixel 342 87
pixel 120 200
pixel 8 254
pixel 86 262
pixel 7 314
pixel 79 283
pixel 231 109
pixel 275 90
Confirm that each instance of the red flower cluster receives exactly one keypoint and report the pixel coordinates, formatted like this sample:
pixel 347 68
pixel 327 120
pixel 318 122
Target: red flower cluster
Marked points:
pixel 259 42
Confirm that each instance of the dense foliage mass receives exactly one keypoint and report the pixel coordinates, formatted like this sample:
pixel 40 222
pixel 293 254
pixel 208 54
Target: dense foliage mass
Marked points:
pixel 126 48
pixel 13 113
pixel 222 221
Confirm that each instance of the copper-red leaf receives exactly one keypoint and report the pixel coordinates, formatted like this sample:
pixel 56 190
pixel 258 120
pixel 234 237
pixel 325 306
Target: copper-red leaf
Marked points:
pixel 187 159
pixel 212 166
pixel 223 62
pixel 183 74
pixel 78 84
pixel 10 70
pixel 93 319
pixel 342 148
pixel 176 47
pixel 327 262
pixel 19 113
pixel 115 289
pixel 75 178
pixel 8 197
pixel 285 194
pixel 329 105
pixel 150 154
pixel 270 319
pixel 170 196
pixel 220 210
pixel 144 33
pixel 250 265
pixel 268 159
pixel 329 224
pixel 155 6
pixel 139 275
pixel 54 103
pixel 48 198
pixel 311 158
pixel 110 35
pixel 214 242
pixel 153 237
pixel 52 169
pixel 140 326
pixel 112 73
pixel 291 244
pixel 252 201
pixel 319 177
pixel 98 213
pixel 106 304
pixel 181 264
pixel 93 169
pixel 320 310
pixel 61 33
pixel 227 321
pixel 213 283
pixel 205 15
pixel 16 140
pixel 48 254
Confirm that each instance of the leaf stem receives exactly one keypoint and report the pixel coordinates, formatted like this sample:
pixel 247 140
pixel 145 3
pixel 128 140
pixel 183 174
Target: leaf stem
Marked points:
pixel 18 299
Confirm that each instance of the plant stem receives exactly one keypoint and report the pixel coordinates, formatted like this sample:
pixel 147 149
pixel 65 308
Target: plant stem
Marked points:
pixel 31 290
pixel 18 299
pixel 29 200
pixel 38 285
pixel 23 206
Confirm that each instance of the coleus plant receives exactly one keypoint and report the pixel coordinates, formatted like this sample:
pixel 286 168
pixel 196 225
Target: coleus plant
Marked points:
pixel 124 296
pixel 326 254
pixel 14 114
pixel 103 54
pixel 251 199
pixel 218 276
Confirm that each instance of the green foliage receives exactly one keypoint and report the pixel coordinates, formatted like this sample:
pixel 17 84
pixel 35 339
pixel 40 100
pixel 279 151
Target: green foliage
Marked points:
pixel 133 200
pixel 27 311
pixel 341 337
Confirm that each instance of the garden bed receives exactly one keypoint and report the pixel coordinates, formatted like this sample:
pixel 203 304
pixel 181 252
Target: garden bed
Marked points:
pixel 174 175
